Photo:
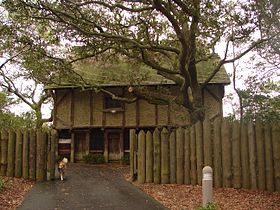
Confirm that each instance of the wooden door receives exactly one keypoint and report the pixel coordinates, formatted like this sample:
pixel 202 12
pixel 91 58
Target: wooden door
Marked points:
pixel 80 146
pixel 114 146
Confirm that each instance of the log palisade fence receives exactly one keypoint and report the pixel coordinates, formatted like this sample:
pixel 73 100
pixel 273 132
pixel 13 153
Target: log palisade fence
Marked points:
pixel 29 154
pixel 242 156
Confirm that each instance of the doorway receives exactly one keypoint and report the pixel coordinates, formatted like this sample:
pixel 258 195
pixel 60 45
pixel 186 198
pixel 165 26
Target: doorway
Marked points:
pixel 81 145
pixel 115 144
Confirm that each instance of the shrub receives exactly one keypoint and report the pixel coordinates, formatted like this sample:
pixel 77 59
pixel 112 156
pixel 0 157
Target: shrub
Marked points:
pixel 94 158
pixel 125 159
pixel 210 206
pixel 2 183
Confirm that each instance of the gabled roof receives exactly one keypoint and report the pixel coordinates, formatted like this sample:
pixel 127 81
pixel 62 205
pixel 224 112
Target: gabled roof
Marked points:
pixel 124 74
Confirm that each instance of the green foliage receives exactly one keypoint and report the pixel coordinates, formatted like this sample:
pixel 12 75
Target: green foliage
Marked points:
pixel 210 206
pixel 94 158
pixel 261 100
pixel 2 184
pixel 10 120
pixel 125 159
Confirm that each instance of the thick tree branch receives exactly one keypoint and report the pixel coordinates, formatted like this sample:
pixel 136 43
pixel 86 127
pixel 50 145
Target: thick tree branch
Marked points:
pixel 237 57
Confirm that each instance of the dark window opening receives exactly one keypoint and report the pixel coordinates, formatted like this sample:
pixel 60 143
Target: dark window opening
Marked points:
pixel 64 134
pixel 112 103
pixel 126 139
pixel 97 139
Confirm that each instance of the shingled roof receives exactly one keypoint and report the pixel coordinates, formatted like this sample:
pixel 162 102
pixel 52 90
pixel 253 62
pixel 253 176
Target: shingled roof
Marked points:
pixel 123 74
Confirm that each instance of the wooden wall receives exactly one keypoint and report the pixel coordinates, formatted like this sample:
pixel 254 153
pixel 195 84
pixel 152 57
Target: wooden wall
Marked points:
pixel 75 108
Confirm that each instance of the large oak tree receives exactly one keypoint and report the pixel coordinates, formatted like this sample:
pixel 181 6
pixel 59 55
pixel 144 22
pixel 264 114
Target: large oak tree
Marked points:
pixel 170 36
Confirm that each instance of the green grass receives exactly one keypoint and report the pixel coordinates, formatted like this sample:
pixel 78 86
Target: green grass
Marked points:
pixel 94 158
pixel 210 206
pixel 125 159
pixel 2 183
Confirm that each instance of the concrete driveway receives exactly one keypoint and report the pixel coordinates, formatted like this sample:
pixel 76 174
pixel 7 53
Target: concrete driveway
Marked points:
pixel 88 187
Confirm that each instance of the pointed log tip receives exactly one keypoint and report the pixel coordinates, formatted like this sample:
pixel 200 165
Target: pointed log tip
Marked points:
pixel 164 130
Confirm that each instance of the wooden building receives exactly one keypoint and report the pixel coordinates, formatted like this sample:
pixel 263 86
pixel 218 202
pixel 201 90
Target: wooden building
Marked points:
pixel 91 122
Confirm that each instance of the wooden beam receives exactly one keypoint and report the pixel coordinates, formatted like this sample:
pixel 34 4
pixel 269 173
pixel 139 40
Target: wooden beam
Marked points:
pixel 72 154
pixel 103 113
pixel 121 143
pixel 168 115
pixel 57 102
pixel 156 114
pixel 217 98
pixel 55 109
pixel 137 113
pixel 87 141
pixel 72 107
pixel 106 154
pixel 123 107
pixel 91 107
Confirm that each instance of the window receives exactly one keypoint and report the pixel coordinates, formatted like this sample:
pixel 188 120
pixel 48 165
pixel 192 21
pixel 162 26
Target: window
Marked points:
pixel 112 103
pixel 126 139
pixel 64 134
pixel 97 139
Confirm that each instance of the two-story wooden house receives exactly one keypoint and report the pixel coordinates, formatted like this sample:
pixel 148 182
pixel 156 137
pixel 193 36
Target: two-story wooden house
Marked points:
pixel 91 122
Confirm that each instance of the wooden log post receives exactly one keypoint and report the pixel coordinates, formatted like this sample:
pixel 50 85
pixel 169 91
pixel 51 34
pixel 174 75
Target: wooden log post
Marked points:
pixel 141 178
pixel 4 152
pixel 132 142
pixel 207 144
pixel 252 155
pixel 41 155
pixel 276 154
pixel 11 153
pixel 217 153
pixel 48 151
pixel 193 157
pixel 0 151
pixel 52 156
pixel 268 158
pixel 72 151
pixel 165 168
pixel 199 150
pixel 260 155
pixel 157 156
pixel 45 154
pixel 187 155
pixel 245 157
pixel 172 146
pixel 236 156
pixel 25 154
pixel 32 155
pixel 180 138
pixel 18 154
pixel 149 157
pixel 226 153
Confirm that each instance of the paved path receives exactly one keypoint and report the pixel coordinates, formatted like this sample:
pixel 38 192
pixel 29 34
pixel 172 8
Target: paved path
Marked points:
pixel 88 187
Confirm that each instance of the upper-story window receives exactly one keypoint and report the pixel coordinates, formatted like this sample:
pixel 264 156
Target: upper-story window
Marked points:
pixel 112 103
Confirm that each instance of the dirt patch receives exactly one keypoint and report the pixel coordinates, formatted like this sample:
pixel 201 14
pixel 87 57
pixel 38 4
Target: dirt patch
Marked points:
pixel 12 195
pixel 178 197
pixel 189 197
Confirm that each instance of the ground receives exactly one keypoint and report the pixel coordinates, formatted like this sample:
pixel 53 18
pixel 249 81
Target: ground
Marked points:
pixel 172 196
pixel 13 192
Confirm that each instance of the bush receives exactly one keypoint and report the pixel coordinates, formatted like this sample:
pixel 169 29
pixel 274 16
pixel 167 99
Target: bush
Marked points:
pixel 210 206
pixel 2 184
pixel 125 159
pixel 94 158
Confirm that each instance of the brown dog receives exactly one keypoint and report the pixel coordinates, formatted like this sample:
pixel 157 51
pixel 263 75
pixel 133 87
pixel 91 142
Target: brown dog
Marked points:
pixel 62 168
